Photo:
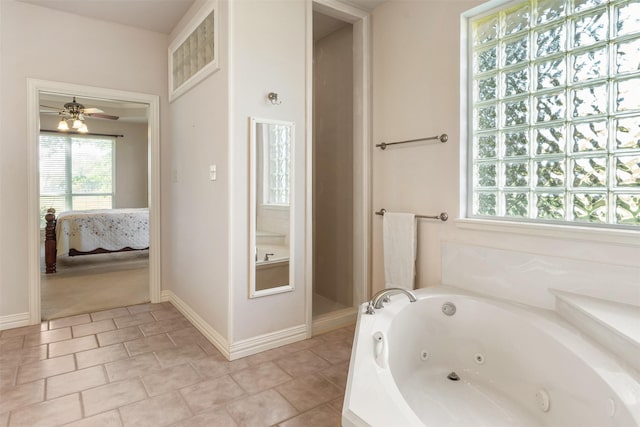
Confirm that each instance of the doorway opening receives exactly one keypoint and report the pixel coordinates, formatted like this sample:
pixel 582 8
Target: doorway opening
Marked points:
pixel 340 164
pixel 332 164
pixel 97 181
pixel 84 171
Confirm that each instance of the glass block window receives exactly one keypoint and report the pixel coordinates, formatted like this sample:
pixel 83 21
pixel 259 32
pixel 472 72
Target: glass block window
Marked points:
pixel 555 112
pixel 277 167
pixel 76 172
pixel 195 52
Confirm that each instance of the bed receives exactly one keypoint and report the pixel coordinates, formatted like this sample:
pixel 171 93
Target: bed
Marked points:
pixel 95 231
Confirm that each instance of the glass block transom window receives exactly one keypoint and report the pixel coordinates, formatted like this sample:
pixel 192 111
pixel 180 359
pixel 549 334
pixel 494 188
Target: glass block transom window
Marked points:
pixel 195 52
pixel 556 112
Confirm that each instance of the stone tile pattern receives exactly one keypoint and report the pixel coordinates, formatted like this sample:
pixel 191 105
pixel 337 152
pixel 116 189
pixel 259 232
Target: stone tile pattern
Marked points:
pixel 146 365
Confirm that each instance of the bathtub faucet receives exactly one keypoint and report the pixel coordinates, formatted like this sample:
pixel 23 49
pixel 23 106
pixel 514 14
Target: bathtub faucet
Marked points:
pixel 378 300
pixel 266 256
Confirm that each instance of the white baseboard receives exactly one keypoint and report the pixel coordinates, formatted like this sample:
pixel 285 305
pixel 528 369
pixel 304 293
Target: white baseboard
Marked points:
pixel 198 322
pixel 334 320
pixel 238 349
pixel 165 295
pixel 268 341
pixel 14 321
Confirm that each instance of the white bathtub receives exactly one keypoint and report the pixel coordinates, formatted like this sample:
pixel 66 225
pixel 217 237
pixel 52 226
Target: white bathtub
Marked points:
pixel 278 253
pixel 274 272
pixel 518 366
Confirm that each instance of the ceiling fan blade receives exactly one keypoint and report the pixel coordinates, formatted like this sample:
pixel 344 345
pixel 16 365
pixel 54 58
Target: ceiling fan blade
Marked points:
pixel 101 116
pixel 92 110
pixel 51 108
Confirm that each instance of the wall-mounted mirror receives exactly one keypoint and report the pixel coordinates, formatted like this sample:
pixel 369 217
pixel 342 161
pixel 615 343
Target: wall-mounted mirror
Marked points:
pixel 271 201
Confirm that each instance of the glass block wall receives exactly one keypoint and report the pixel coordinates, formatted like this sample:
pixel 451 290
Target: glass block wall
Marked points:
pixel 556 112
pixel 278 168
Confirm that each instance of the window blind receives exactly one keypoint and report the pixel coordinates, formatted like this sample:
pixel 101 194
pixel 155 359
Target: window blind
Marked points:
pixel 76 172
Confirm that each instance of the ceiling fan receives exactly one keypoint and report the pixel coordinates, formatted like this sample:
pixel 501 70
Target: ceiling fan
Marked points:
pixel 74 110
pixel 76 113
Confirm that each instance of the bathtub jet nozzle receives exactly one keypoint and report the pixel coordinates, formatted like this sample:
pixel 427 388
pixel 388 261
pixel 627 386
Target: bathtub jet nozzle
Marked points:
pixel 453 376
pixel 449 308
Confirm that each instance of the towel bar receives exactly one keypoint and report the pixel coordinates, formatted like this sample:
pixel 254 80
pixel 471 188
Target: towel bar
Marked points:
pixel 442 217
pixel 442 138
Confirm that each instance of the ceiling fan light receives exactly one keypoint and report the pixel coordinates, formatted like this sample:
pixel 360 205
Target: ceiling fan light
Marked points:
pixel 63 125
pixel 83 128
pixel 77 124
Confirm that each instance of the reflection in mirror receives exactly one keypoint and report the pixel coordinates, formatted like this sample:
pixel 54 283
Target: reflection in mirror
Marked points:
pixel 270 177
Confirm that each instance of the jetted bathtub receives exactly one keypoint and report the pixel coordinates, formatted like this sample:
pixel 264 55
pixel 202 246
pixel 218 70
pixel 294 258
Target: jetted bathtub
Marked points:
pixel 277 253
pixel 491 363
pixel 272 271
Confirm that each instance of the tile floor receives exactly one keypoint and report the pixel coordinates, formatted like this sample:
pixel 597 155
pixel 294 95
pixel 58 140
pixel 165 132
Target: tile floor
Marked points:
pixel 146 365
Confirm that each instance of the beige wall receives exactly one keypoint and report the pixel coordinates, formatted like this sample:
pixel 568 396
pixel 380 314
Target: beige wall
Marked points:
pixel 333 166
pixel 31 37
pixel 197 209
pixel 269 48
pixel 131 178
pixel 416 93
pixel 207 252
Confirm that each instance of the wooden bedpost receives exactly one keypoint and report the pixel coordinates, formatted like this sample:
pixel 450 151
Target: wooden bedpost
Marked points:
pixel 50 241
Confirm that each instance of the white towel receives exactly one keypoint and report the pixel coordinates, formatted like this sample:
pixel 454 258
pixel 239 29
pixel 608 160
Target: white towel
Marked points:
pixel 399 240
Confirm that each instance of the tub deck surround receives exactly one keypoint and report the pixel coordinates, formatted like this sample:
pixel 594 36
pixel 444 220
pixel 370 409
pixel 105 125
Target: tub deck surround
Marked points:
pixel 614 325
pixel 516 365
pixel 275 253
pixel 528 277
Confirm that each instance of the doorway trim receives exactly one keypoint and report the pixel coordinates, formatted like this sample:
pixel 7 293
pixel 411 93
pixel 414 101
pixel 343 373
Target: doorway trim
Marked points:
pixel 361 21
pixel 34 87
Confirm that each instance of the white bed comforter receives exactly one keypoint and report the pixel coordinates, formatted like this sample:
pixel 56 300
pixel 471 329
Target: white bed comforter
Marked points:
pixel 110 229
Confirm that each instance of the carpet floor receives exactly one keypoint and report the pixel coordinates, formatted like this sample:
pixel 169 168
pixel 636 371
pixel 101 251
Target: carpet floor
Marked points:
pixel 86 284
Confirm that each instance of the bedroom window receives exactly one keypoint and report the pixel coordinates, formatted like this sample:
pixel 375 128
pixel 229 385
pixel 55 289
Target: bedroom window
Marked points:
pixel 554 112
pixel 76 172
